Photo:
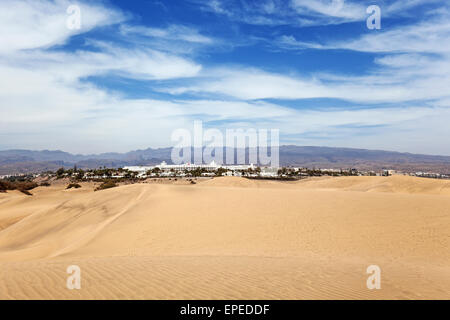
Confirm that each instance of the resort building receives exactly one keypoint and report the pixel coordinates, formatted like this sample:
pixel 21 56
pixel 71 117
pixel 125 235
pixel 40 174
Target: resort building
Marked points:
pixel 166 168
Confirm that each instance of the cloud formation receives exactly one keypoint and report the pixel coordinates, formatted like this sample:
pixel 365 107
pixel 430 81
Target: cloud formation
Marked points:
pixel 55 92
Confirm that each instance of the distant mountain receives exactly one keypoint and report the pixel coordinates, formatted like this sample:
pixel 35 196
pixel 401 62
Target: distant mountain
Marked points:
pixel 326 157
pixel 11 156
pixel 26 161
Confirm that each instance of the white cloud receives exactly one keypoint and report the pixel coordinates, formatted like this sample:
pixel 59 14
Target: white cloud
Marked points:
pixel 172 32
pixel 254 84
pixel 432 36
pixel 305 12
pixel 269 12
pixel 348 10
pixel 413 63
pixel 29 28
pixel 250 84
pixel 289 42
pixel 86 119
pixel 44 102
pixel 31 24
pixel 137 63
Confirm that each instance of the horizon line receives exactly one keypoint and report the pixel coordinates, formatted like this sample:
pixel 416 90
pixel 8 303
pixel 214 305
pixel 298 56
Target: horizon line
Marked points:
pixel 280 146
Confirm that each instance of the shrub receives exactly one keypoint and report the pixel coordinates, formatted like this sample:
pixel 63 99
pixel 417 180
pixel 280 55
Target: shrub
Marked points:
pixel 28 193
pixel 22 186
pixel 5 185
pixel 60 173
pixel 45 184
pixel 73 185
pixel 27 185
pixel 106 185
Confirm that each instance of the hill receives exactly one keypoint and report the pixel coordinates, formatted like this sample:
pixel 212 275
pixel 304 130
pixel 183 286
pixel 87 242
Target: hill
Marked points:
pixel 26 161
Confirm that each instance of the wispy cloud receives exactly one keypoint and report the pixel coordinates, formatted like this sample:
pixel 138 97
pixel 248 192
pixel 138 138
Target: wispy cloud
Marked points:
pixel 42 24
pixel 304 12
pixel 268 12
pixel 254 84
pixel 412 62
pixel 432 36
pixel 172 32
pixel 339 10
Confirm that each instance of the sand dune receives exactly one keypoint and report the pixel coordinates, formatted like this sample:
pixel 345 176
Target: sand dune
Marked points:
pixel 230 238
pixel 393 184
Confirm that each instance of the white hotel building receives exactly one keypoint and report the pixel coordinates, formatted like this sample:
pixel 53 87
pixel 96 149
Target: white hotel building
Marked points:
pixel 212 166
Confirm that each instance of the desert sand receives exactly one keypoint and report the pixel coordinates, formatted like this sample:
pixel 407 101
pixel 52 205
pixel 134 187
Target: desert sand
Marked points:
pixel 229 238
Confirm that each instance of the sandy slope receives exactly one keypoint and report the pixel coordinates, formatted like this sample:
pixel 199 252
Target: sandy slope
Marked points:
pixel 393 184
pixel 230 238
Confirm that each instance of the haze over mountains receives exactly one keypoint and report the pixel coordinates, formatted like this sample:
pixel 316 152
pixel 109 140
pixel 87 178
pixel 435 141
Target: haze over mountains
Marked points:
pixel 27 161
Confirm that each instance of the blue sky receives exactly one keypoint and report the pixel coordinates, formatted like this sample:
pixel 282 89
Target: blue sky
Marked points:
pixel 137 70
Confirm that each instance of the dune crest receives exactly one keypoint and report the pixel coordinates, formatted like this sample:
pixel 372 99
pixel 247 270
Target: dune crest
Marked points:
pixel 392 184
pixel 230 182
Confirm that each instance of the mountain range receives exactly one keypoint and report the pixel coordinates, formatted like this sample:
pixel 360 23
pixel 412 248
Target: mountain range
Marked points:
pixel 29 161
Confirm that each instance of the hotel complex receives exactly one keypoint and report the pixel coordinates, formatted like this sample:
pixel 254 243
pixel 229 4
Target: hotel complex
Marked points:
pixel 209 169
pixel 212 166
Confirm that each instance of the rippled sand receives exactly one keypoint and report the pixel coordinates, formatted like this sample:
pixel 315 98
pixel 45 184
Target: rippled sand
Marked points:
pixel 230 238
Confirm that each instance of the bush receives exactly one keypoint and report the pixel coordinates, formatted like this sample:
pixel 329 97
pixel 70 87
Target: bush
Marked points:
pixel 193 182
pixel 73 185
pixel 27 185
pixel 45 184
pixel 5 185
pixel 106 185
pixel 22 186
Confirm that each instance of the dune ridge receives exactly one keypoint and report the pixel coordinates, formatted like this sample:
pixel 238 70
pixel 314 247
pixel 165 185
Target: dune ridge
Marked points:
pixel 392 184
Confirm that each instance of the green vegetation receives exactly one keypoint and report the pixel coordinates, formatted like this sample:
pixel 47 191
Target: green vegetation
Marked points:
pixel 59 173
pixel 220 172
pixel 106 185
pixel 22 186
pixel 198 172
pixel 73 185
pixel 155 171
